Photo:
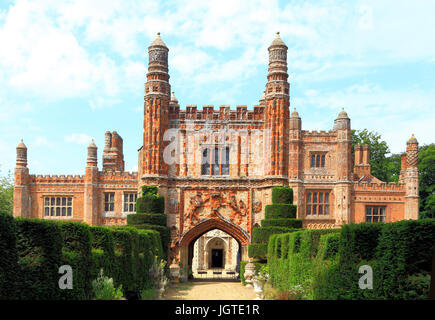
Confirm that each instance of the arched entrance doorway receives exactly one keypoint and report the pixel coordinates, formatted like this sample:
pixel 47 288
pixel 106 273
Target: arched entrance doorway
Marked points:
pixel 187 242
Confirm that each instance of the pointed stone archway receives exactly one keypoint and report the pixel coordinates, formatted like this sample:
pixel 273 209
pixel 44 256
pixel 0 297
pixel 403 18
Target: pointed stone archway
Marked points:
pixel 188 239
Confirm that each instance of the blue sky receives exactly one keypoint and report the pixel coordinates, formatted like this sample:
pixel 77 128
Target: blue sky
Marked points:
pixel 70 70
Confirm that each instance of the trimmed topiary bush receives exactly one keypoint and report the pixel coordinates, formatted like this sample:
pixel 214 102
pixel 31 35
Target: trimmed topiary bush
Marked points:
pixel 258 250
pixel 150 190
pixel 261 235
pixel 288 223
pixel 282 195
pixel 150 203
pixel 162 238
pixel 280 218
pixel 150 210
pixel 280 210
pixel 146 218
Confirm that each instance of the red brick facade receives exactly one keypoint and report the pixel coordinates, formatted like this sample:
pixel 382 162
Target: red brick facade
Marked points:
pixel 216 168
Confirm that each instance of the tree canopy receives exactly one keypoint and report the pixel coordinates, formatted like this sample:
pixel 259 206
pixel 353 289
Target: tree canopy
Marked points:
pixel 426 168
pixel 383 167
pixel 6 193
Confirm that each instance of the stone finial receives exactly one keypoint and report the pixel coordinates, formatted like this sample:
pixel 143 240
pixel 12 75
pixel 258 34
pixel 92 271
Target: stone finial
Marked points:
pixel 277 41
pixel 173 98
pixel 412 140
pixel 342 114
pixel 92 144
pixel 92 154
pixel 158 41
pixel 21 145
pixel 295 114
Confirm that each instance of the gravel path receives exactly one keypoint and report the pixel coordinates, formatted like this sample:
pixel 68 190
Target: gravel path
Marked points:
pixel 209 291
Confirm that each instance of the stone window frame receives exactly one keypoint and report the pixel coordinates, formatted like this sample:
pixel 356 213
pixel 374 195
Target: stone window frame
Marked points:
pixel 208 167
pixel 319 158
pixel 371 215
pixel 129 203
pixel 312 208
pixel 58 206
pixel 109 204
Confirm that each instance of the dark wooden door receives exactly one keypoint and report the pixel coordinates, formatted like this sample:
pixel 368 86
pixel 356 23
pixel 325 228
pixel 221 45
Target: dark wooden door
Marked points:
pixel 217 258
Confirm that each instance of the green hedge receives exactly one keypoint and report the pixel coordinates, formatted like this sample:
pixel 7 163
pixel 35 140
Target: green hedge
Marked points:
pixel 258 250
pixel 150 215
pixel 162 241
pixel 76 252
pixel 34 249
pixel 103 253
pixel 282 195
pixel 326 277
pixel 405 250
pixel 261 235
pixel 280 210
pixel 326 263
pixel 8 258
pixel 288 223
pixel 280 218
pixel 290 258
pixel 150 203
pixel 149 190
pixel 39 247
pixel 124 245
pixel 147 218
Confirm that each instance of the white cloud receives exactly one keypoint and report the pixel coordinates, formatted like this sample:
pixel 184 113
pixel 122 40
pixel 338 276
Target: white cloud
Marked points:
pixel 41 141
pixel 78 138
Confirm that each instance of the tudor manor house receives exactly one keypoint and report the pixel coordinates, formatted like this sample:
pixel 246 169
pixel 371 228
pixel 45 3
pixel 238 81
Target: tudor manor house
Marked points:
pixel 218 167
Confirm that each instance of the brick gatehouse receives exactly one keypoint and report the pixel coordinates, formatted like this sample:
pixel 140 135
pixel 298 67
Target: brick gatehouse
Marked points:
pixel 216 168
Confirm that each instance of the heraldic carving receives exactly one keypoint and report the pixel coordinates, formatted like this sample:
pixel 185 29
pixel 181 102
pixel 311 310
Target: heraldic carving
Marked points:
pixel 214 201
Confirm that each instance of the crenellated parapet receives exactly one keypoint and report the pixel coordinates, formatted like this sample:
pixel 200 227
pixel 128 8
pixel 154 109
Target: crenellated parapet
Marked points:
pixel 379 187
pixel 58 179
pixel 319 136
pixel 208 113
pixel 117 175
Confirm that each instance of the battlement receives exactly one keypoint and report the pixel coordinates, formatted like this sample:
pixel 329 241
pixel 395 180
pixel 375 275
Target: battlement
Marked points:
pixel 382 186
pixel 47 178
pixel 114 175
pixel 323 133
pixel 209 113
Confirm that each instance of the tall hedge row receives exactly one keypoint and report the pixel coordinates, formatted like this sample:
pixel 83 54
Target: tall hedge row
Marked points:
pixel 327 265
pixel 8 255
pixel 33 250
pixel 290 258
pixel 280 217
